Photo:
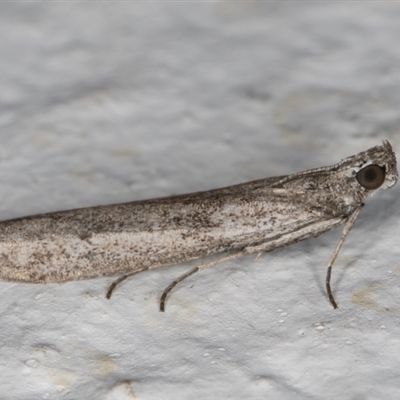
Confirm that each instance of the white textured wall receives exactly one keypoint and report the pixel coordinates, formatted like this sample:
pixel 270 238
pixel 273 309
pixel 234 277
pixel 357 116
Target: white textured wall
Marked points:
pixel 110 102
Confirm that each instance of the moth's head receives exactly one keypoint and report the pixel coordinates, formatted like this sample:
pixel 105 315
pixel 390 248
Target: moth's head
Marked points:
pixel 375 168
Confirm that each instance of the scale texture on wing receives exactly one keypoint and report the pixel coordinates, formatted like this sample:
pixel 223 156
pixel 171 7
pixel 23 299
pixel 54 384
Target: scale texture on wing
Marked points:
pixel 104 240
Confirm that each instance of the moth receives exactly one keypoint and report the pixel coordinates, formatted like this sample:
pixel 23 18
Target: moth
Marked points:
pixel 249 218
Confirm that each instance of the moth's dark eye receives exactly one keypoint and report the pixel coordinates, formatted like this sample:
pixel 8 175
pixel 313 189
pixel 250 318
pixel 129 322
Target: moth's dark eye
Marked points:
pixel 371 177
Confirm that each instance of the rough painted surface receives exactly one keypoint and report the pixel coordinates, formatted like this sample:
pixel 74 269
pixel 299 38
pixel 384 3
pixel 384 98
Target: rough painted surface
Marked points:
pixel 105 103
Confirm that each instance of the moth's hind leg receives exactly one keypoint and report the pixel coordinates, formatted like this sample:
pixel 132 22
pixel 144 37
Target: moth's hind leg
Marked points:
pixel 194 270
pixel 117 282
pixel 176 281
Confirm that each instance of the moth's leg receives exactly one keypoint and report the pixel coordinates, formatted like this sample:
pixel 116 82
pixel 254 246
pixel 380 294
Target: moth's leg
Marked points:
pixel 346 229
pixel 291 237
pixel 118 281
pixel 194 270
pixel 258 256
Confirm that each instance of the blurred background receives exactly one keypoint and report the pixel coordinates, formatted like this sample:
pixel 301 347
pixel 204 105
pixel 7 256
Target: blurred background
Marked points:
pixel 116 101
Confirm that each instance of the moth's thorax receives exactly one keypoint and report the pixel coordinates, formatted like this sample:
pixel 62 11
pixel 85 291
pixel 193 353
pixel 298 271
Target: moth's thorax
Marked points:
pixel 337 188
pixel 338 193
